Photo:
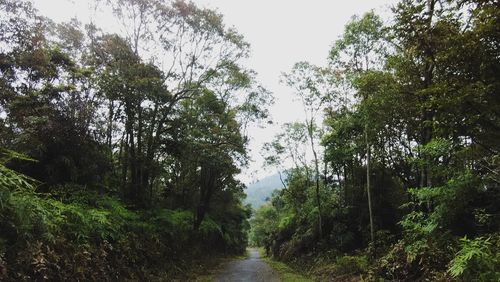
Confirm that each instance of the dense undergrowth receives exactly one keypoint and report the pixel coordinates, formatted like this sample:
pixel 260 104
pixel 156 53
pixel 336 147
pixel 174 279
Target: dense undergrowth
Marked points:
pixel 82 235
pixel 466 260
pixel 443 234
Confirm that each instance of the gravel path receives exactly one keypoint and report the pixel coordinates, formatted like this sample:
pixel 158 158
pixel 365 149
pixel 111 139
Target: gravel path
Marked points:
pixel 250 269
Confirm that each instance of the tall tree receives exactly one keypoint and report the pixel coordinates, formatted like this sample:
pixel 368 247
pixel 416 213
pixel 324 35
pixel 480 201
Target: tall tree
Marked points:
pixel 179 50
pixel 357 51
pixel 312 85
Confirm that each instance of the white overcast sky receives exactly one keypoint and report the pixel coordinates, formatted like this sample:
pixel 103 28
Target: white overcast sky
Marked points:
pixel 281 32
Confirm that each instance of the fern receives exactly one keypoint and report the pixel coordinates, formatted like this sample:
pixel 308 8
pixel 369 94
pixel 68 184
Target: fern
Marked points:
pixel 11 180
pixel 475 260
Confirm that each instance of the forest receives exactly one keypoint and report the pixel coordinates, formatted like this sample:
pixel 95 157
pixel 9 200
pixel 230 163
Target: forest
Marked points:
pixel 120 150
pixel 402 130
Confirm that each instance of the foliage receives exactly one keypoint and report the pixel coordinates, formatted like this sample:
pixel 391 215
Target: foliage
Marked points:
pixel 409 165
pixel 103 230
pixel 264 222
pixel 126 167
pixel 477 259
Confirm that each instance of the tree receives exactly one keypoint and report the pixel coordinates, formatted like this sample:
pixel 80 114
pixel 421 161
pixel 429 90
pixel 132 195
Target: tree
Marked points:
pixel 212 136
pixel 312 85
pixel 288 146
pixel 189 51
pixel 47 105
pixel 356 52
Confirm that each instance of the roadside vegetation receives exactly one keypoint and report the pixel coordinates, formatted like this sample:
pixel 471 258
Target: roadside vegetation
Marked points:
pixel 118 151
pixel 395 169
pixel 286 273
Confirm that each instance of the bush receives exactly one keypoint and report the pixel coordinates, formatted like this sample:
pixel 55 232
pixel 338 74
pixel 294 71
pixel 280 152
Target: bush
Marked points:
pixel 343 268
pixel 352 265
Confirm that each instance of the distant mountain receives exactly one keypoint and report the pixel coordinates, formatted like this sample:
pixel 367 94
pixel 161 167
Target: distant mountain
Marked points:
pixel 260 191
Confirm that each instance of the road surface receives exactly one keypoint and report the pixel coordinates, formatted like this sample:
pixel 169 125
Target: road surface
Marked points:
pixel 252 268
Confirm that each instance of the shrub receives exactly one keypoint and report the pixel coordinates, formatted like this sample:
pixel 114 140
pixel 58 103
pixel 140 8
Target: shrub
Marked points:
pixel 352 265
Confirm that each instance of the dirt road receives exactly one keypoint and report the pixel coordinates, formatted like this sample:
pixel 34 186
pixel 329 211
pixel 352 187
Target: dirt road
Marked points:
pixel 252 268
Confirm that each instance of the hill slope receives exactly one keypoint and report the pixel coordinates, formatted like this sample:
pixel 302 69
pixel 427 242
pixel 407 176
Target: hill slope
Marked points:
pixel 260 191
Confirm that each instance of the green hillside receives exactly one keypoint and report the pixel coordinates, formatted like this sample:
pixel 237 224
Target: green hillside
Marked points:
pixel 258 192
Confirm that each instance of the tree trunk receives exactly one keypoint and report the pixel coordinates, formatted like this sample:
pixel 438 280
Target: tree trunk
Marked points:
pixel 346 201
pixel 316 167
pixel 124 160
pixel 325 170
pixel 281 179
pixel 368 190
pixel 208 177
pixel 428 80
pixel 110 126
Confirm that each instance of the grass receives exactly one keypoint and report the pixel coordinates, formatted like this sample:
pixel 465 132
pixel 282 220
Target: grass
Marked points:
pixel 286 273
